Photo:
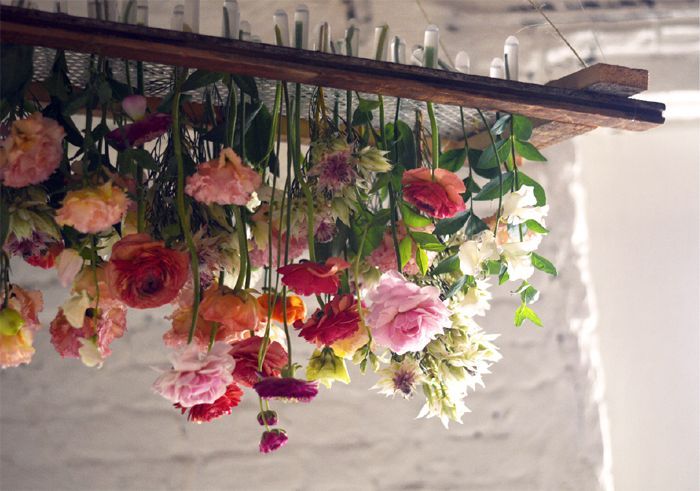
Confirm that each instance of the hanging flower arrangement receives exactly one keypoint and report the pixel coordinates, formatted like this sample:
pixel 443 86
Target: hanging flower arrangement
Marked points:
pixel 367 243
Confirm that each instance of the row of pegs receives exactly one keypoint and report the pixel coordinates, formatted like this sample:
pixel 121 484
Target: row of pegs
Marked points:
pixel 185 17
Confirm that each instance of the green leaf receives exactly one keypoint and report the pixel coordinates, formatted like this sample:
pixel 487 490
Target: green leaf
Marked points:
pixel 422 260
pixel 380 218
pixel 142 157
pixel 536 227
pixel 448 265
pixel 199 79
pixel 503 276
pixel 493 267
pixel 16 66
pixel 367 105
pixel 528 151
pixel 488 159
pixel 452 225
pixel 405 144
pixel 500 125
pixel 472 186
pixel 529 293
pixel 454 159
pixel 247 85
pixel 495 188
pixel 405 248
pixel 475 225
pixel 524 312
pixel 540 194
pixel 456 286
pixel 522 127
pixel 104 92
pixel 428 241
pixel 543 264
pixel 412 218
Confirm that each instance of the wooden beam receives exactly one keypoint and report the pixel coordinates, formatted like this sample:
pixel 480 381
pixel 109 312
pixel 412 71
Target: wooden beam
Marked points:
pixel 32 27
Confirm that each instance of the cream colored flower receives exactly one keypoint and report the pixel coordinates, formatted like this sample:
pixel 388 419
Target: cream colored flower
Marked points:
pixel 400 378
pixel 517 256
pixel 473 253
pixel 519 206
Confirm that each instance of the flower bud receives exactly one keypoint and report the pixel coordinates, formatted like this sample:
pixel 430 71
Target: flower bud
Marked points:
pixel 10 322
pixel 273 440
pixel 267 417
pixel 135 106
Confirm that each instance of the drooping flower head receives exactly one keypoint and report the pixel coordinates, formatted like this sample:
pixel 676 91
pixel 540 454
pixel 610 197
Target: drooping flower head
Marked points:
pixel 286 388
pixel 136 134
pixel 326 367
pixel 473 253
pixel 263 231
pixel 204 413
pixel 338 319
pixel 19 321
pixel 295 308
pixel 93 210
pixel 234 312
pixel 521 205
pixel 400 378
pixel 135 106
pixel 39 249
pixel 226 181
pixel 404 316
pixel 143 273
pixel 309 278
pixel 68 265
pixel 273 440
pixel 383 257
pixel 196 377
pixel 32 152
pixel 246 353
pixel 267 417
pixel 438 196
pixel 335 171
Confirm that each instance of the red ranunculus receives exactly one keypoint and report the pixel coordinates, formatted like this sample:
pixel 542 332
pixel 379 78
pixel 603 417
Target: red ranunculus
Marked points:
pixel 339 319
pixel 436 195
pixel 203 413
pixel 246 355
pixel 142 131
pixel 309 278
pixel 143 273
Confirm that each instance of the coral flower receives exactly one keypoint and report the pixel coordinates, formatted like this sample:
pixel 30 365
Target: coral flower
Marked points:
pixel 143 273
pixel 286 388
pixel 93 210
pixel 234 312
pixel 438 196
pixel 142 131
pixel 196 377
pixel 19 321
pixel 404 316
pixel 204 413
pixel 226 181
pixel 295 308
pixel 32 152
pixel 273 440
pixel 309 278
pixel 246 355
pixel 339 319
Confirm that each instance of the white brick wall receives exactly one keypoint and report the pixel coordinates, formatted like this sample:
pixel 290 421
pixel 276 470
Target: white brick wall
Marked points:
pixel 534 427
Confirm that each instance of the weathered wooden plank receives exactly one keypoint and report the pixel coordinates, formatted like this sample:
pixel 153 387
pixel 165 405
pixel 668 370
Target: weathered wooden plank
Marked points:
pixel 22 26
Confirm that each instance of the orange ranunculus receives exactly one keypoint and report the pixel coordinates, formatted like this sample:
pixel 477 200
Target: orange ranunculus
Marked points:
pixel 234 312
pixel 296 309
pixel 143 273
pixel 93 210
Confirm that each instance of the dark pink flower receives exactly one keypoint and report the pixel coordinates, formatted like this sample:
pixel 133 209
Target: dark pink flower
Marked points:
pixel 203 413
pixel 39 249
pixel 436 194
pixel 309 278
pixel 286 388
pixel 339 319
pixel 269 417
pixel 142 131
pixel 273 440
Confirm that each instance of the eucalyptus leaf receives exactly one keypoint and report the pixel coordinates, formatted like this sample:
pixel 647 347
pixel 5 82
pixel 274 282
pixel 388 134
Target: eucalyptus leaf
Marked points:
pixel 413 218
pixel 405 144
pixel 456 286
pixel 526 313
pixel 447 265
pixel 528 151
pixel 501 125
pixel 488 158
pixel 452 225
pixel 536 227
pixel 454 159
pixel 405 248
pixel 522 127
pixel 495 188
pixel 543 264
pixel 540 195
pixel 428 241
pixel 199 79
pixel 422 260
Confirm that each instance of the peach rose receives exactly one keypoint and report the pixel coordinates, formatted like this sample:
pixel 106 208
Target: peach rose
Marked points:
pixel 32 152
pixel 234 312
pixel 226 181
pixel 93 210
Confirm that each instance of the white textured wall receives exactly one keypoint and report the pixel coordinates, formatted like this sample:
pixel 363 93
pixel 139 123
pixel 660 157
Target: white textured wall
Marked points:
pixel 534 427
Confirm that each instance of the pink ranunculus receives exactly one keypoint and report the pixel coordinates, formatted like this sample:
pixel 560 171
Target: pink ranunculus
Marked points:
pixel 32 152
pixel 142 131
pixel 68 265
pixel 404 316
pixel 310 278
pixel 436 195
pixel 197 377
pixel 226 181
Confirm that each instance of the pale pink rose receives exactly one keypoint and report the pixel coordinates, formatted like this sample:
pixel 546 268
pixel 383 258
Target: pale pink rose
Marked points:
pixel 197 377
pixel 93 210
pixel 383 257
pixel 226 181
pixel 135 106
pixel 68 265
pixel 404 316
pixel 32 152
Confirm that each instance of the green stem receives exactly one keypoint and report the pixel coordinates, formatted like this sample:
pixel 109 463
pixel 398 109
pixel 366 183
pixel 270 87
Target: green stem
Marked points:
pixel 394 234
pixel 242 246
pixel 181 211
pixel 435 135
pixel 500 175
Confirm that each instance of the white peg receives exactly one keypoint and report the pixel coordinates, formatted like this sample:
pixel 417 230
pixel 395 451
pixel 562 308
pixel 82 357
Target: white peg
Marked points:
pixel 462 62
pixel 398 50
pixel 431 40
pixel 244 33
pixel 231 22
pixel 142 12
pixel 191 23
pixel 301 27
pixel 497 69
pixel 177 21
pixel 510 55
pixel 381 42
pixel 282 23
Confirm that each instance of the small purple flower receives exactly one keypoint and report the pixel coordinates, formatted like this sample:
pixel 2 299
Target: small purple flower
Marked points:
pixel 335 171
pixel 267 417
pixel 142 131
pixel 273 440
pixel 325 230
pixel 286 388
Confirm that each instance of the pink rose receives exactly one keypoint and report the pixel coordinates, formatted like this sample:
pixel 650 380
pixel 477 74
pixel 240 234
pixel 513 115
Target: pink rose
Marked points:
pixel 226 181
pixel 32 152
pixel 196 377
pixel 436 195
pixel 404 316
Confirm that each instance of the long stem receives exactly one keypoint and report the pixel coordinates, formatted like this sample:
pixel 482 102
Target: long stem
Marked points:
pixel 435 135
pixel 242 247
pixel 500 175
pixel 394 234
pixel 180 200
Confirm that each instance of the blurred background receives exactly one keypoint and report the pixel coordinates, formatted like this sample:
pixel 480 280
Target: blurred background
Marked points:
pixel 605 396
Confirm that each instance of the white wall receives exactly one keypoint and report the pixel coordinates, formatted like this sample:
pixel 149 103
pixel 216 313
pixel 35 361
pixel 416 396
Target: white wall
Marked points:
pixel 643 220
